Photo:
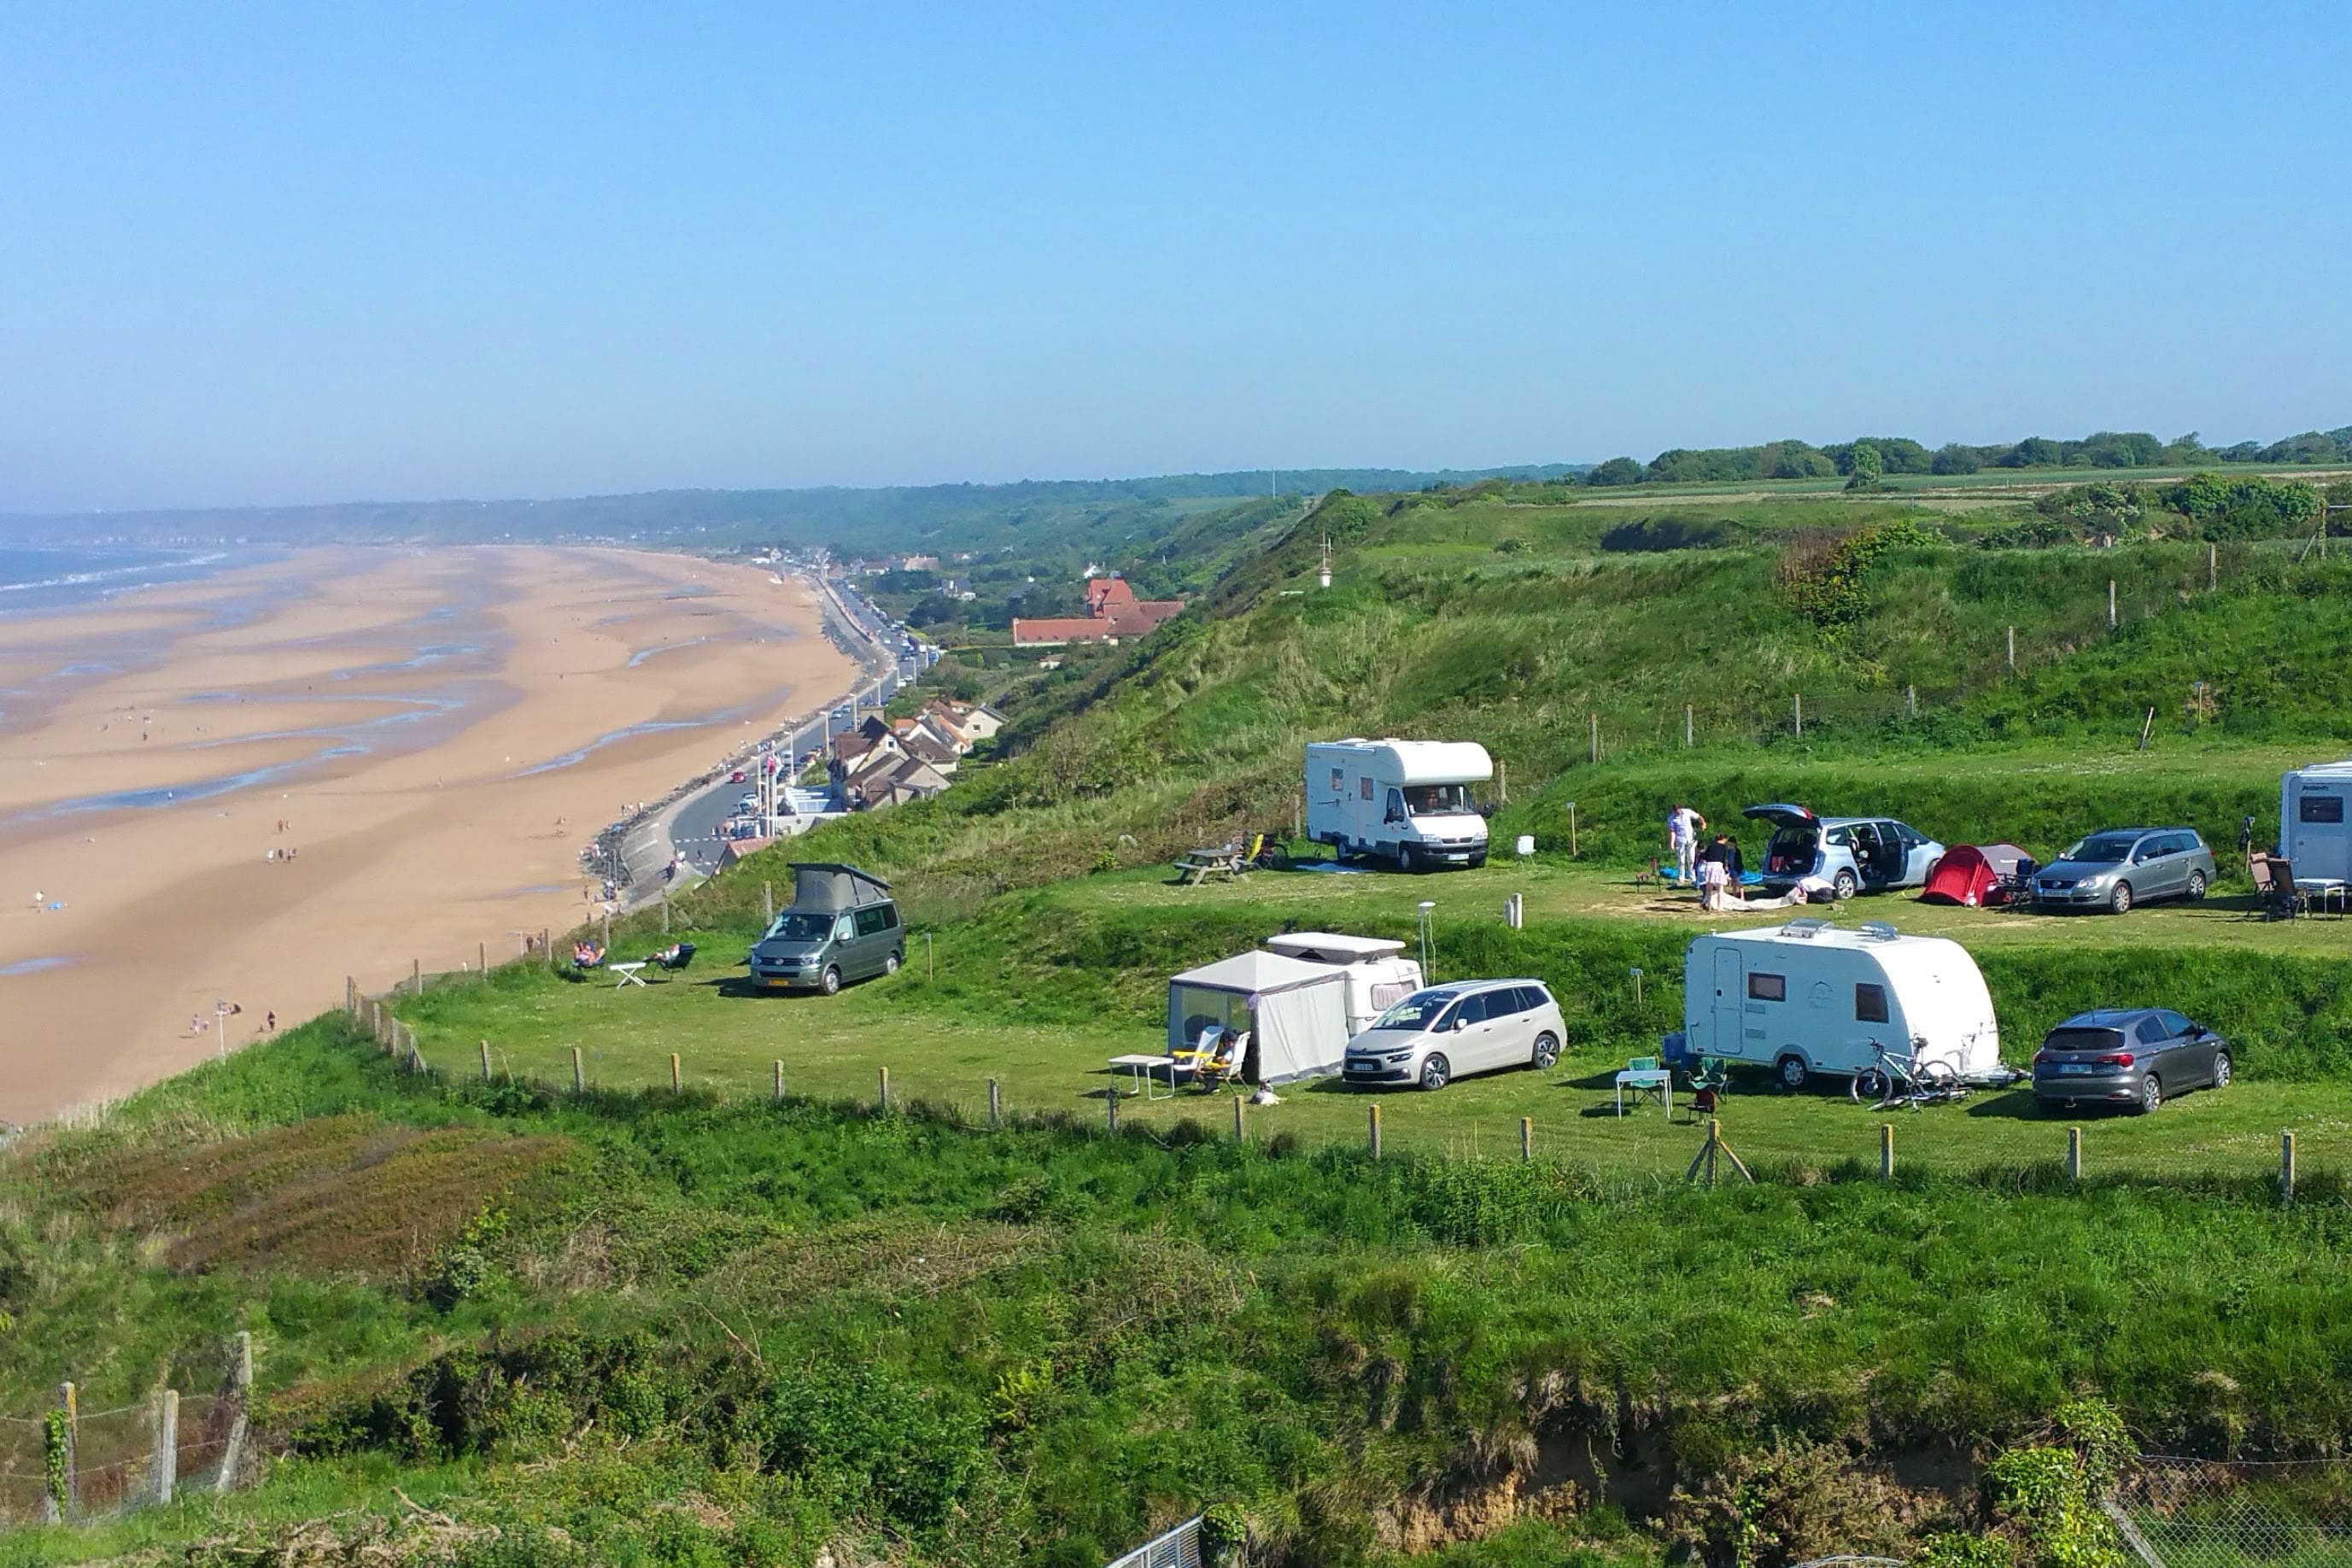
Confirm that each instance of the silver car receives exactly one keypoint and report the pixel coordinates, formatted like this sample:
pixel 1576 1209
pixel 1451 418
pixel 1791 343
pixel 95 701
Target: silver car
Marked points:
pixel 1442 1032
pixel 2119 867
pixel 1851 854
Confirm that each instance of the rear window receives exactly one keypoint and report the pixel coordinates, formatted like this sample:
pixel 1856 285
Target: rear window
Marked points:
pixel 2083 1040
pixel 1767 988
pixel 2320 809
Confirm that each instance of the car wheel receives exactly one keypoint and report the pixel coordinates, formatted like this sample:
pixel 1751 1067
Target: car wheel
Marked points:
pixel 1790 1071
pixel 1845 885
pixel 1435 1071
pixel 890 963
pixel 1408 859
pixel 1548 1050
pixel 2119 903
pixel 2221 1070
pixel 831 982
pixel 2151 1096
pixel 2195 886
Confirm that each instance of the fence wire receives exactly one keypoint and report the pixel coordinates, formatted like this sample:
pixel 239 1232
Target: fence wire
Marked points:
pixel 2204 1513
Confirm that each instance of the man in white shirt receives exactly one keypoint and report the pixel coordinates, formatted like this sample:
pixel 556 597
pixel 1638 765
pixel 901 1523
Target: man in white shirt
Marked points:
pixel 1683 827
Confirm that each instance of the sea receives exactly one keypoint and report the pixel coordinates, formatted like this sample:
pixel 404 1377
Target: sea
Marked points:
pixel 50 577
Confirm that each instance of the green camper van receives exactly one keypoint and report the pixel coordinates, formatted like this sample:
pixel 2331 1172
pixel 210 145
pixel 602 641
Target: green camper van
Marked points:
pixel 841 926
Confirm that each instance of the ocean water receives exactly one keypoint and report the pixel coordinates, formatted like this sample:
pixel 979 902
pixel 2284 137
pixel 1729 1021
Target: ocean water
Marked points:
pixel 47 577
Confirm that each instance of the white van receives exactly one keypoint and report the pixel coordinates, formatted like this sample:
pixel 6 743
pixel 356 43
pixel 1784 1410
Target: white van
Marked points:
pixel 1378 974
pixel 1405 802
pixel 1806 997
pixel 2314 830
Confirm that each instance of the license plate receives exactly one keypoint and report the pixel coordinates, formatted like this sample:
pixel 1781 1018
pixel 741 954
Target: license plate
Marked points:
pixel 774 983
pixel 2071 1070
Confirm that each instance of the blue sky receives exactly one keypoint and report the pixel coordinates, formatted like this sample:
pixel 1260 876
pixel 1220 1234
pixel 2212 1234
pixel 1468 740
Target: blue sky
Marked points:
pixel 324 252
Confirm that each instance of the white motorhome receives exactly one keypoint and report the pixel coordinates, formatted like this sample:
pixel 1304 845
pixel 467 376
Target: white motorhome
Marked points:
pixel 1377 974
pixel 2316 823
pixel 1807 997
pixel 1405 802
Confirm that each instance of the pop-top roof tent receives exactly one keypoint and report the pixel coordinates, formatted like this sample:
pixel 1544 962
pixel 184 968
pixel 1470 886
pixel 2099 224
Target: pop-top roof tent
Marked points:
pixel 1971 874
pixel 1332 947
pixel 829 884
pixel 1295 1012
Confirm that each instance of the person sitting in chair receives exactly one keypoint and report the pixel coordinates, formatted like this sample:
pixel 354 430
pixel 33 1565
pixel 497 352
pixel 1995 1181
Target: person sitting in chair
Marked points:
pixel 586 954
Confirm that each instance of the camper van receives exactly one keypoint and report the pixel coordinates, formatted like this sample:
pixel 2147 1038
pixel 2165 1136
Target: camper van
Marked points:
pixel 1379 975
pixel 1405 802
pixel 843 925
pixel 1807 997
pixel 2314 826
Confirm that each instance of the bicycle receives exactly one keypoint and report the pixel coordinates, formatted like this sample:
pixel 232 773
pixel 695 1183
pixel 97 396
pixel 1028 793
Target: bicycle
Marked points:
pixel 1904 1077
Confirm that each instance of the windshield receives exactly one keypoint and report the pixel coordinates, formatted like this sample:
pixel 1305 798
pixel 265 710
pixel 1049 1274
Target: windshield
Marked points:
pixel 1417 1012
pixel 2104 849
pixel 1438 800
pixel 799 925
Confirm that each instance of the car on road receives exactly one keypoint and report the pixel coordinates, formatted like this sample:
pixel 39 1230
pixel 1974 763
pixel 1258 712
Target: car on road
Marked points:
pixel 2133 1057
pixel 1850 854
pixel 1445 1032
pixel 735 777
pixel 2116 867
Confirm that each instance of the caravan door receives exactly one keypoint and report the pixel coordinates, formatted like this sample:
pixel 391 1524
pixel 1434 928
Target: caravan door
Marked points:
pixel 1731 1016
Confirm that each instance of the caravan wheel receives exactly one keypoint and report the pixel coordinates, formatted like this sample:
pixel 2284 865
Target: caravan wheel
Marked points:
pixel 1790 1071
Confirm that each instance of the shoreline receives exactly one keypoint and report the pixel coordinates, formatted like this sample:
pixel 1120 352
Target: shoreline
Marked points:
pixel 223 796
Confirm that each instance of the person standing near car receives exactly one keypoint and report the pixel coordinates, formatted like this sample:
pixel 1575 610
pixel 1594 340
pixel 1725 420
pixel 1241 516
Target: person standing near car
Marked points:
pixel 1722 860
pixel 1683 827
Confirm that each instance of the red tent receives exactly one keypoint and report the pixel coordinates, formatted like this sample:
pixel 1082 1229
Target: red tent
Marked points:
pixel 1973 876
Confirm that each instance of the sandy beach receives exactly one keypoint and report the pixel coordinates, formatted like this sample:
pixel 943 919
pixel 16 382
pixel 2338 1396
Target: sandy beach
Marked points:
pixel 244 788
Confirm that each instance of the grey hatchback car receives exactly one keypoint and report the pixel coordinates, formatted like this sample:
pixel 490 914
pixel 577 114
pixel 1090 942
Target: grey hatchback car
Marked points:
pixel 2119 867
pixel 2131 1057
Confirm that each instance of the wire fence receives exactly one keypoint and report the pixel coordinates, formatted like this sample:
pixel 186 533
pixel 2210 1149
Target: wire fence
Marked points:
pixel 74 1464
pixel 2173 1512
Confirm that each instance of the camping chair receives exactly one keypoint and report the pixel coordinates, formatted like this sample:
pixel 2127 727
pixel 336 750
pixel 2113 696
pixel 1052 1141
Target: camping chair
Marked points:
pixel 2276 897
pixel 1656 1085
pixel 585 956
pixel 673 958
pixel 1222 1064
pixel 1709 1084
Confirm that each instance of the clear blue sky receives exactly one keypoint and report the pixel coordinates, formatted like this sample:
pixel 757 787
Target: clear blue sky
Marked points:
pixel 323 252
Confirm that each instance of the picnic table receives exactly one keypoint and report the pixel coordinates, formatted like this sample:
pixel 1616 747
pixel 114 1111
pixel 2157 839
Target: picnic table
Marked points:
pixel 627 974
pixel 1198 866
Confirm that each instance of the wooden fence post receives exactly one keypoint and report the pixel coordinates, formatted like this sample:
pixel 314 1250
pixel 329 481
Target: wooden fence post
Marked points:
pixel 1689 728
pixel 1886 1150
pixel 2012 650
pixel 1239 1134
pixel 233 1450
pixel 1798 698
pixel 882 1093
pixel 1110 1108
pixel 1595 721
pixel 2111 604
pixel 1373 1130
pixel 1911 701
pixel 482 957
pixel 579 1074
pixel 486 1062
pixel 166 1464
pixel 2213 567
pixel 780 1081
pixel 59 1459
pixel 2075 1154
pixel 1526 1137
pixel 995 1105
pixel 674 1082
pixel 665 912
pixel 417 977
pixel 607 942
pixel 767 903
pixel 2287 1167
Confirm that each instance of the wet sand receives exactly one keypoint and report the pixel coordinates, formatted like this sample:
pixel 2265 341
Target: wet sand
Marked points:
pixel 439 731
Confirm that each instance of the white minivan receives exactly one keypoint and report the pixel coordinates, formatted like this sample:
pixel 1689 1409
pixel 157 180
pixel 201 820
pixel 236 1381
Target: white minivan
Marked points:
pixel 1437 1035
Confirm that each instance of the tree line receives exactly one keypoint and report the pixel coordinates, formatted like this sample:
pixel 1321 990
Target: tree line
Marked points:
pixel 1899 454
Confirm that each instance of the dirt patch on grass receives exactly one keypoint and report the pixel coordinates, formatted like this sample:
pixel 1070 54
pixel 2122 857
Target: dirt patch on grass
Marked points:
pixel 870 1256
pixel 344 1195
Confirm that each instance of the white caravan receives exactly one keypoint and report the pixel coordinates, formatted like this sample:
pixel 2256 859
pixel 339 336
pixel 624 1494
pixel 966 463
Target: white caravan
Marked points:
pixel 2314 830
pixel 1405 802
pixel 1806 997
pixel 1378 974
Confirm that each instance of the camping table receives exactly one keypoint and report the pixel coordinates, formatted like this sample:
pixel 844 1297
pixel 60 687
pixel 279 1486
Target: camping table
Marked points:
pixel 1200 865
pixel 2319 889
pixel 1142 1066
pixel 1660 1078
pixel 628 974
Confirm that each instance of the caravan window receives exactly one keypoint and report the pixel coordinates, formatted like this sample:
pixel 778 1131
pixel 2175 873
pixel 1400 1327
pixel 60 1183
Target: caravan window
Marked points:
pixel 1869 1003
pixel 1339 781
pixel 1767 988
pixel 2320 809
pixel 1364 787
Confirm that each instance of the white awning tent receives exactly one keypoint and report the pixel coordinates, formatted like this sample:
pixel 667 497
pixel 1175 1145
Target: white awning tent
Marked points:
pixel 1295 1012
